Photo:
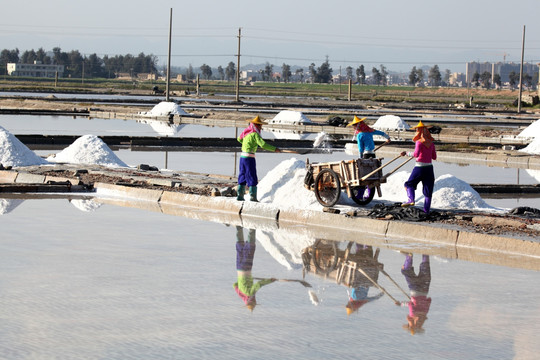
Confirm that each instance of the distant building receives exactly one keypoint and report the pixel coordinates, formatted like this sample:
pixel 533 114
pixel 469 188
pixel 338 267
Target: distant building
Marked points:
pixel 457 79
pixel 249 75
pixel 503 69
pixel 37 69
pixel 473 67
pixel 146 76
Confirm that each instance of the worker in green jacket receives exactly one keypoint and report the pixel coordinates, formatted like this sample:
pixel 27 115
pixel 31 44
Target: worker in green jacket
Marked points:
pixel 246 287
pixel 251 140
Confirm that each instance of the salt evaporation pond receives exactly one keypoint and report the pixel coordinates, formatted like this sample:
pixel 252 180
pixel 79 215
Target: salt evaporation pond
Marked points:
pixel 104 281
pixel 85 279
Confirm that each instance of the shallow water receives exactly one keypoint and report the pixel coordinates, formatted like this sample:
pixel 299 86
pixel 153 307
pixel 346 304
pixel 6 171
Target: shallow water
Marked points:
pixel 125 283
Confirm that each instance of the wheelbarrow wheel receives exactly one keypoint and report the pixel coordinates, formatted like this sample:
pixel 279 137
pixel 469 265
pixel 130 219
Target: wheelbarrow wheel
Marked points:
pixel 325 256
pixel 327 187
pixel 362 195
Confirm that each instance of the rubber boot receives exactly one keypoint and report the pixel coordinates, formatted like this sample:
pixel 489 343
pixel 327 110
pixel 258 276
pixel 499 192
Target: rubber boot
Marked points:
pixel 427 204
pixel 253 193
pixel 241 190
pixel 410 197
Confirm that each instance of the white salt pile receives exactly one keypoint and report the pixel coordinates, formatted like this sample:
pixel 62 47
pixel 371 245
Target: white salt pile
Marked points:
pixel 532 148
pixel 283 186
pixel 453 193
pixel 321 138
pixel 532 131
pixel 88 149
pixel 390 122
pixel 290 117
pixel 14 153
pixel 165 108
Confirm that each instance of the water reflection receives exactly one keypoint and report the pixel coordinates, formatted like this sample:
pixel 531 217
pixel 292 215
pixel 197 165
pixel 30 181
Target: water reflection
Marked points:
pixel 419 302
pixel 357 267
pixel 245 286
pixel 137 271
pixel 162 128
pixel 8 205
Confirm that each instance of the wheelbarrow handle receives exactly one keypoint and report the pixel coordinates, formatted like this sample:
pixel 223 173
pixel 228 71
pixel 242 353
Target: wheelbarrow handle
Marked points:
pixel 393 171
pixel 379 168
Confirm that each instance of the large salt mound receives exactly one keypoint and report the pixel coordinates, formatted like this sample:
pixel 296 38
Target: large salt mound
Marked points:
pixel 390 122
pixel 290 117
pixel 284 186
pixel 452 193
pixel 88 149
pixel 533 147
pixel 14 153
pixel 531 131
pixel 165 108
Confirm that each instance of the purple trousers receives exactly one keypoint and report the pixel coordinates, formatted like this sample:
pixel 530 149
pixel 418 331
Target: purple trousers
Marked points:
pixel 248 172
pixel 424 174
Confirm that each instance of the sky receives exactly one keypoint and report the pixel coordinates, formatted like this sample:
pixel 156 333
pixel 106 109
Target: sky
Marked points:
pixel 397 34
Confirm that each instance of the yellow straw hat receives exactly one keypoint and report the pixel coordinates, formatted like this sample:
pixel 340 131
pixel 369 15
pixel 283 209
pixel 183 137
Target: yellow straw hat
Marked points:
pixel 420 125
pixel 356 120
pixel 257 120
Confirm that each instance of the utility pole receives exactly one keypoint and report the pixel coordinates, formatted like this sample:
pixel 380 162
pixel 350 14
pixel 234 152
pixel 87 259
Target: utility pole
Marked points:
pixel 521 71
pixel 238 67
pixel 169 59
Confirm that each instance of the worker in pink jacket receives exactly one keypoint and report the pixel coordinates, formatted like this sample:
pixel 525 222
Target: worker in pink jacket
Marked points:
pixel 424 152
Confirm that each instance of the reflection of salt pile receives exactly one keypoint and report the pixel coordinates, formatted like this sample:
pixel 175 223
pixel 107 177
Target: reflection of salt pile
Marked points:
pixel 290 117
pixel 14 153
pixel 165 108
pixel 163 128
pixel 7 205
pixel 284 246
pixel 390 122
pixel 88 149
pixel 534 174
pixel 88 205
pixel 532 131
pixel 283 186
pixel 287 134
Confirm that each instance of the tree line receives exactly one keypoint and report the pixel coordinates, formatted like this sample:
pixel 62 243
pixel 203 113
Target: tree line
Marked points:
pixel 77 65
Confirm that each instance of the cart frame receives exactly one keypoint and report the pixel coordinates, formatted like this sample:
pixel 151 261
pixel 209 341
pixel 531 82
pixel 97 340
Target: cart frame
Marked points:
pixel 359 178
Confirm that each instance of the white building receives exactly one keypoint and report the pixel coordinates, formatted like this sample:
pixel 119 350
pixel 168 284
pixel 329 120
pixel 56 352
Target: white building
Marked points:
pixel 37 69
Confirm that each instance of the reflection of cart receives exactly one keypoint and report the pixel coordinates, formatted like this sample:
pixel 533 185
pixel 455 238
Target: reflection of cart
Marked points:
pixel 359 177
pixel 357 263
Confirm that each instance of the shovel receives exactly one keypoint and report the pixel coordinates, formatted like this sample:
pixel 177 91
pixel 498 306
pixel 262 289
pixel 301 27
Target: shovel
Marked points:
pixel 303 282
pixel 301 152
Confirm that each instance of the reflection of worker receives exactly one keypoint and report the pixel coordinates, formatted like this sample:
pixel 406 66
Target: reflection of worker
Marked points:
pixel 245 251
pixel 251 139
pixel 424 152
pixel 419 288
pixel 360 285
pixel 364 137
